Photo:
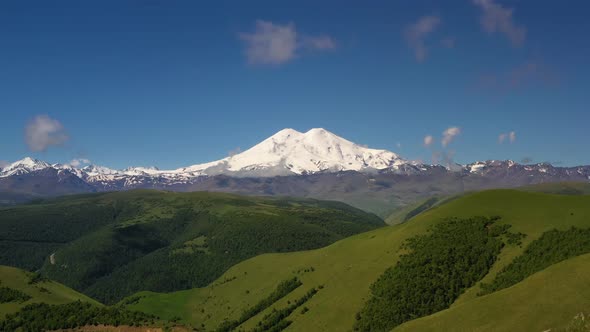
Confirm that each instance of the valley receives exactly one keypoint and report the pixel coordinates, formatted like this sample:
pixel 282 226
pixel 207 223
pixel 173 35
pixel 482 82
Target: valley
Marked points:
pixel 111 245
pixel 334 287
pixel 346 269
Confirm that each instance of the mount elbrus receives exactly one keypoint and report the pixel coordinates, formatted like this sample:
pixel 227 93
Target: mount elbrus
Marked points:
pixel 316 164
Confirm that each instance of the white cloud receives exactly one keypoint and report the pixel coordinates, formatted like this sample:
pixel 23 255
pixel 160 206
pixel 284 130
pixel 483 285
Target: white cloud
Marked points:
pixel 448 42
pixel 3 163
pixel 79 161
pixel 511 136
pixel 234 152
pixel 497 18
pixel 528 74
pixel 318 43
pixel 428 140
pixel 417 32
pixel 42 132
pixel 449 135
pixel 274 44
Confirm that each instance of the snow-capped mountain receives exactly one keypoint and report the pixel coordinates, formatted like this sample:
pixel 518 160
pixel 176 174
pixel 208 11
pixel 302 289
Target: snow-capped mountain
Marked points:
pixel 288 152
pixel 24 166
pixel 291 152
pixel 293 156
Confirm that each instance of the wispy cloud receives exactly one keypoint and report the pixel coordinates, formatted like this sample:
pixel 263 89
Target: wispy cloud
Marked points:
pixel 428 140
pixel 234 152
pixel 530 72
pixel 42 132
pixel 449 135
pixel 510 137
pixel 275 44
pixel 448 42
pixel 3 163
pixel 318 43
pixel 527 74
pixel 417 32
pixel 79 161
pixel 497 18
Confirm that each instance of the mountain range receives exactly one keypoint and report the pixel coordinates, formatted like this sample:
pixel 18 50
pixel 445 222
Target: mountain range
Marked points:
pixel 316 164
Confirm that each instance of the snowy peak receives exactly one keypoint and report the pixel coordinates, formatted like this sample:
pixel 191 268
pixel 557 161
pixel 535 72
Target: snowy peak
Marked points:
pixel 94 170
pixel 287 152
pixel 142 171
pixel 23 166
pixel 292 152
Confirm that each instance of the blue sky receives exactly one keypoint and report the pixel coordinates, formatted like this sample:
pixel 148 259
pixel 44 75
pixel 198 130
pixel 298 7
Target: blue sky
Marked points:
pixel 173 83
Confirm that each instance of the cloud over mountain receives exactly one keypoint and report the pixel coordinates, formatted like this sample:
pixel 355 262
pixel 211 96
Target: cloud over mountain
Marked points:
pixel 41 132
pixel 449 135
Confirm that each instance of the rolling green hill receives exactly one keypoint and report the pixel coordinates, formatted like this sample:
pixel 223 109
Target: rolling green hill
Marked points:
pixel 28 288
pixel 343 272
pixel 547 299
pixel 111 245
pixel 30 302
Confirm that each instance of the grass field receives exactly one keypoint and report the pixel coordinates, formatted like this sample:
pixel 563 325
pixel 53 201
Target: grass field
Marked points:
pixel 45 291
pixel 348 267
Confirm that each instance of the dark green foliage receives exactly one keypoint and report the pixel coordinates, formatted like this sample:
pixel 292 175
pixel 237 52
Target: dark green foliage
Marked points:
pixel 26 255
pixel 44 317
pixel 276 320
pixel 438 267
pixel 515 238
pixel 36 278
pixel 281 291
pixel 112 245
pixel 30 233
pixel 552 247
pixel 12 295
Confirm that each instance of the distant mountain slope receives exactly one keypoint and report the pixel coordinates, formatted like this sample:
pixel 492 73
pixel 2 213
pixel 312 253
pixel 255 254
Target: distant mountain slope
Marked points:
pixel 561 188
pixel 36 290
pixel 113 244
pixel 316 164
pixel 346 269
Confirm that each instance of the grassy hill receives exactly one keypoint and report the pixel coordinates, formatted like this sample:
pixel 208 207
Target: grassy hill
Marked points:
pixel 547 299
pixel 343 272
pixel 111 245
pixel 33 290
pixel 30 302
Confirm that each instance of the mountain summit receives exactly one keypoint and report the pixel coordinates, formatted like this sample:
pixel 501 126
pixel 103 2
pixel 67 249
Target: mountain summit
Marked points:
pixel 292 152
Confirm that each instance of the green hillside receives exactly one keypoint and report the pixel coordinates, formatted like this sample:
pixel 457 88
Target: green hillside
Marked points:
pixel 28 288
pixel 547 300
pixel 344 271
pixel 30 302
pixel 112 245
